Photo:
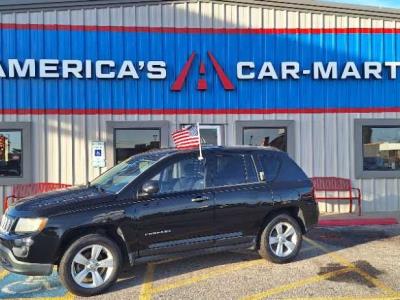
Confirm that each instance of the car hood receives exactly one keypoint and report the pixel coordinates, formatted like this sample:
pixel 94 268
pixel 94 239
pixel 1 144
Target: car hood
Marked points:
pixel 60 201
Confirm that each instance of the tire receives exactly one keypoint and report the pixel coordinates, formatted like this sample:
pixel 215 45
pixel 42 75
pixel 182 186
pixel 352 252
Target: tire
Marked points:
pixel 71 265
pixel 270 239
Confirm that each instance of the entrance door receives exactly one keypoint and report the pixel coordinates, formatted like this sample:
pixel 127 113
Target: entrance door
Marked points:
pixel 211 134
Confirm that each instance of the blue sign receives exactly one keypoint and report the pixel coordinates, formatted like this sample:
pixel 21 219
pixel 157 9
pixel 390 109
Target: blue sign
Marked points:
pixel 143 71
pixel 97 152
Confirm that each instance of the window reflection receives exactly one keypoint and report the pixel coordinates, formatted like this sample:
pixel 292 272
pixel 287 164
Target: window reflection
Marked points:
pixel 129 142
pixel 265 136
pixel 381 148
pixel 184 175
pixel 11 153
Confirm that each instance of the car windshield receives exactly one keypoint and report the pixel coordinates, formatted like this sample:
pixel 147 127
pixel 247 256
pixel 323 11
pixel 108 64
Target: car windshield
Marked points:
pixel 118 177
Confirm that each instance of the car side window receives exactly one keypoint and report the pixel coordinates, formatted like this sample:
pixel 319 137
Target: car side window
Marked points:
pixel 184 175
pixel 271 164
pixel 233 169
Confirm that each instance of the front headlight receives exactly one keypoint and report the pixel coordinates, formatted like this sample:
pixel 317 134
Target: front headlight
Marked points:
pixel 30 225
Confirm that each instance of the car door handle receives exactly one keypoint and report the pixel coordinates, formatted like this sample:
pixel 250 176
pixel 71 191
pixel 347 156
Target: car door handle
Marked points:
pixel 200 199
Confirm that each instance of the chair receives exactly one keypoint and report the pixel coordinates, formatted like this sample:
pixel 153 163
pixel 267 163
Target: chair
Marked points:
pixel 339 185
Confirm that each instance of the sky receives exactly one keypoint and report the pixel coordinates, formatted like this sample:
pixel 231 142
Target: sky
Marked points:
pixel 381 3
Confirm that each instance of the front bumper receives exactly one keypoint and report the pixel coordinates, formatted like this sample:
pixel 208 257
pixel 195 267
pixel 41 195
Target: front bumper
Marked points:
pixel 10 263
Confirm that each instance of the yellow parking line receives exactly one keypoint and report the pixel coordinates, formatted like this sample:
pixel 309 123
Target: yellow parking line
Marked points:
pixel 296 284
pixel 306 249
pixel 147 287
pixel 3 274
pixel 375 281
pixel 207 275
pixel 67 296
pixel 168 260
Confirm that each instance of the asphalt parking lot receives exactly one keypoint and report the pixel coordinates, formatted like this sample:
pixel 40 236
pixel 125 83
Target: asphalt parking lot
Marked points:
pixel 334 263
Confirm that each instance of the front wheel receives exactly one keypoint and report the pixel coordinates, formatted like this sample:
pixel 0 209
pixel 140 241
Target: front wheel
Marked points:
pixel 90 265
pixel 281 239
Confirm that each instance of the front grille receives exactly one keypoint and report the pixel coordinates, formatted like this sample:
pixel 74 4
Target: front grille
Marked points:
pixel 6 224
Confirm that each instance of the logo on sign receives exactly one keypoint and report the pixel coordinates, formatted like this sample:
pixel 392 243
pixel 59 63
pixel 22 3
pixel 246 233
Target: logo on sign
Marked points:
pixel 202 83
pixel 97 152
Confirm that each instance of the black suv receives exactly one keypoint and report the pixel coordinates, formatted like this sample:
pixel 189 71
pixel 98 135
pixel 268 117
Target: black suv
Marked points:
pixel 157 204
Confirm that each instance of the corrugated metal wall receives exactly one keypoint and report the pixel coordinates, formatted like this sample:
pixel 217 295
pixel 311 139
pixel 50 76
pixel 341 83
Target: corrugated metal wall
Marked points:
pixel 324 142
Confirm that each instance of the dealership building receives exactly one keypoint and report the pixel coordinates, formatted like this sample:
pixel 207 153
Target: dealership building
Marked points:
pixel 86 84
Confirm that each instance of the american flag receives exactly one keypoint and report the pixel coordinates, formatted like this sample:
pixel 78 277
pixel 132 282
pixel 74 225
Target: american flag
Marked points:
pixel 186 138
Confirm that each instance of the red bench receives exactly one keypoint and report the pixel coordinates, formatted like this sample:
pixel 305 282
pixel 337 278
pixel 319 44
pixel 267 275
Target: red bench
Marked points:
pixel 20 191
pixel 329 185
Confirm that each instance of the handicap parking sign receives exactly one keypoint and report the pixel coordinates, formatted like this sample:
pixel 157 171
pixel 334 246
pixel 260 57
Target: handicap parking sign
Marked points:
pixel 15 286
pixel 98 154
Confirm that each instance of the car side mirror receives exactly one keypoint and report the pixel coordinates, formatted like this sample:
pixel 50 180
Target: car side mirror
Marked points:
pixel 149 188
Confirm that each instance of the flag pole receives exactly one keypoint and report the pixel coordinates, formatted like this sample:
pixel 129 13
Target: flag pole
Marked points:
pixel 198 133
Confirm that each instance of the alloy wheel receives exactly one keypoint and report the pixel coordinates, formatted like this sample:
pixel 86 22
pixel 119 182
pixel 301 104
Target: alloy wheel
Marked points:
pixel 92 266
pixel 283 239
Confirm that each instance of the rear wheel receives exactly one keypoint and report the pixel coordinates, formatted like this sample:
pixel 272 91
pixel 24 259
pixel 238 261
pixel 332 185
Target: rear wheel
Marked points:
pixel 281 239
pixel 90 265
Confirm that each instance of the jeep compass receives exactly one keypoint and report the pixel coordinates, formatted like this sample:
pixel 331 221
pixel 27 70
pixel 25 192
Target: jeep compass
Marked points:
pixel 160 204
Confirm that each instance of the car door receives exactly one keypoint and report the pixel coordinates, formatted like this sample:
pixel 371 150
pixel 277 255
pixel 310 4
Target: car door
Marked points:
pixel 241 199
pixel 179 216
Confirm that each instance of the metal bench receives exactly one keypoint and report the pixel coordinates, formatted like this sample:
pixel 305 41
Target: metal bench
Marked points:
pixel 20 191
pixel 328 185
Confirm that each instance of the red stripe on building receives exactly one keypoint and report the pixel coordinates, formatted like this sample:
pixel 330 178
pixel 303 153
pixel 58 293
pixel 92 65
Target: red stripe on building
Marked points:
pixel 185 111
pixel 196 30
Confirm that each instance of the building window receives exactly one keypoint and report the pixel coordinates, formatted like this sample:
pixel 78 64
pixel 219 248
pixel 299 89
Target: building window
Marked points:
pixel 381 148
pixel 265 136
pixel 274 133
pixel 11 153
pixel 377 148
pixel 15 153
pixel 129 142
pixel 125 139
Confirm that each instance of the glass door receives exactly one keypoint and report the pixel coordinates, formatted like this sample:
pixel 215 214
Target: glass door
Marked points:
pixel 210 134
